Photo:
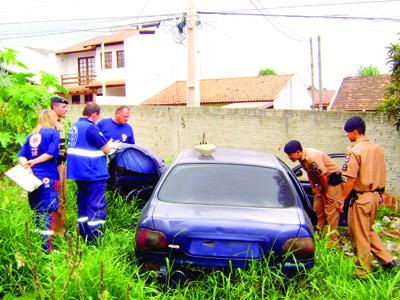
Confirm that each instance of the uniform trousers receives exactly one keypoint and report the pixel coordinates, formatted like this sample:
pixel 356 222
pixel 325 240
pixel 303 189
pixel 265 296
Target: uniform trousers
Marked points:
pixel 44 201
pixel 365 240
pixel 91 200
pixel 59 215
pixel 327 215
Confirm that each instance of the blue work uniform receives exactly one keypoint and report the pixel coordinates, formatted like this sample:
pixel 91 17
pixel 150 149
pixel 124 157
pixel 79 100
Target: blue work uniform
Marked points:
pixel 44 200
pixel 118 132
pixel 87 165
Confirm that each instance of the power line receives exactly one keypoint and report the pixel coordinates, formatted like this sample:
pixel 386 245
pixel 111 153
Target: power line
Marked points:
pixel 66 31
pixel 332 4
pixel 105 19
pixel 229 13
pixel 289 35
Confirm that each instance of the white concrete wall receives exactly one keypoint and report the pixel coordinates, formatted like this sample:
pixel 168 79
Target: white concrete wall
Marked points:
pixel 68 63
pixel 114 72
pixel 35 60
pixel 149 67
pixel 293 96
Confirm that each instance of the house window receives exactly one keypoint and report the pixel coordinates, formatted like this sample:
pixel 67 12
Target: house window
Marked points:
pixel 107 61
pixel 88 98
pixel 120 59
pixel 76 99
pixel 85 70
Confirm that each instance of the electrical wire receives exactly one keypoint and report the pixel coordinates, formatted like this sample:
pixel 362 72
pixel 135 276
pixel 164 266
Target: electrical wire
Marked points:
pixel 333 4
pixel 103 29
pixel 289 34
pixel 356 18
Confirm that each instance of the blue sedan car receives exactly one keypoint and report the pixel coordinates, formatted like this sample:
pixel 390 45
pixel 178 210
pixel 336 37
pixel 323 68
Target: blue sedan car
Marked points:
pixel 227 209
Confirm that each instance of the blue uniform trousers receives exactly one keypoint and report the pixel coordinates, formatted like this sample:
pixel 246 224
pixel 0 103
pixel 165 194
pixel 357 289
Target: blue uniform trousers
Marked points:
pixel 91 200
pixel 44 201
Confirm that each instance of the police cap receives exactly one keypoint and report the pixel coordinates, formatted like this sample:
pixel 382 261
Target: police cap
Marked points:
pixel 292 146
pixel 354 123
pixel 57 99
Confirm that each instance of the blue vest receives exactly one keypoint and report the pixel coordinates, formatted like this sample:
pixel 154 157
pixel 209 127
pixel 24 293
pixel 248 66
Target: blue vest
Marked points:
pixel 84 161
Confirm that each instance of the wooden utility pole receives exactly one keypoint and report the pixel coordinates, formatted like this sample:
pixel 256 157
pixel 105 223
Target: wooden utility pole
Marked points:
pixel 103 70
pixel 319 73
pixel 312 71
pixel 192 82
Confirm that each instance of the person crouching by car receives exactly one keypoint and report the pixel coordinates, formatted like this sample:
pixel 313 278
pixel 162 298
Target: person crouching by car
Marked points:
pixel 39 155
pixel 326 184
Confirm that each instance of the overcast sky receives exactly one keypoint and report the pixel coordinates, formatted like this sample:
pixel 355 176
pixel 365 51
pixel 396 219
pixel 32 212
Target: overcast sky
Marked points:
pixel 353 32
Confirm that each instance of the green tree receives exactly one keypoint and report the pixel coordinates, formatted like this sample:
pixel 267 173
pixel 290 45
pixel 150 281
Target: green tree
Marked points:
pixel 391 104
pixel 368 71
pixel 20 100
pixel 266 71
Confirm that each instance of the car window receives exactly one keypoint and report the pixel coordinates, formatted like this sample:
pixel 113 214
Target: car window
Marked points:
pixel 227 184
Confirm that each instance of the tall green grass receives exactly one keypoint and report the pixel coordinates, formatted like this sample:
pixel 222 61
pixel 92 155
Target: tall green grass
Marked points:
pixel 111 271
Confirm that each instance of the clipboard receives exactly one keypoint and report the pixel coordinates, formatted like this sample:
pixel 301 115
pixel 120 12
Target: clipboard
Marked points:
pixel 24 178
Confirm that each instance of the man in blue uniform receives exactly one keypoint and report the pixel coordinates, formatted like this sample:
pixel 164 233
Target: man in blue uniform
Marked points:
pixel 117 127
pixel 39 154
pixel 87 165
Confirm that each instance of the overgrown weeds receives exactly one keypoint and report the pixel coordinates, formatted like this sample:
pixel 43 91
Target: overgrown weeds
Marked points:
pixel 111 271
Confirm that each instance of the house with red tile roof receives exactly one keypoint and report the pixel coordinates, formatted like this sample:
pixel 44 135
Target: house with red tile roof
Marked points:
pixel 84 73
pixel 271 91
pixel 360 93
pixel 327 96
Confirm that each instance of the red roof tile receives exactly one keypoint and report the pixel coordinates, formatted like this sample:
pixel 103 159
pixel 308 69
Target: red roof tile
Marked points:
pixel 89 45
pixel 361 93
pixel 327 96
pixel 225 90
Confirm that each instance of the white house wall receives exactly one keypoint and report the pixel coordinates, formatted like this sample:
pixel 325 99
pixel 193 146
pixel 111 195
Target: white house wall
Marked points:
pixel 149 65
pixel 35 60
pixel 68 63
pixel 293 96
pixel 114 72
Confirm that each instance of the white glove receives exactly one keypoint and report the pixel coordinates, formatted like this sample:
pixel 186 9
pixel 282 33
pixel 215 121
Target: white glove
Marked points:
pixel 114 144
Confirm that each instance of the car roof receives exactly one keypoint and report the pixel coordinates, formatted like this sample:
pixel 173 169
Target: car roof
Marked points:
pixel 229 156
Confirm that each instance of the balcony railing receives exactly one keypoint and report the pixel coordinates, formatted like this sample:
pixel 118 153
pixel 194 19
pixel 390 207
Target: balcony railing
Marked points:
pixel 67 79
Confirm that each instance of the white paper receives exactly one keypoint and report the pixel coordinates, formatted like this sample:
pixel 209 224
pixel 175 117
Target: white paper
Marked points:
pixel 24 178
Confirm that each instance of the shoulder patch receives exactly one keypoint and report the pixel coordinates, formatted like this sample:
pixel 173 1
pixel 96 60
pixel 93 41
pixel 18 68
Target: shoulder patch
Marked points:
pixel 35 140
pixel 315 168
pixel 72 136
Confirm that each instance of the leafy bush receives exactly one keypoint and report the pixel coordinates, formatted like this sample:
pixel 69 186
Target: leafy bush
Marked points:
pixel 20 100
pixel 391 104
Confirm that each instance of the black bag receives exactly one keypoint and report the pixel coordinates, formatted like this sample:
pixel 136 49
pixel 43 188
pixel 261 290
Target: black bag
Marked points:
pixel 335 179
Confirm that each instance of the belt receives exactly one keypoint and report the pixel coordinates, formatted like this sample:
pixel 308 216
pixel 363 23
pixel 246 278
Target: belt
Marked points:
pixel 377 190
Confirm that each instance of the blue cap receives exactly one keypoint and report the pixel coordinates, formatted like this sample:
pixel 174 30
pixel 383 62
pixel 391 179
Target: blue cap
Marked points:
pixel 292 146
pixel 354 123
pixel 57 99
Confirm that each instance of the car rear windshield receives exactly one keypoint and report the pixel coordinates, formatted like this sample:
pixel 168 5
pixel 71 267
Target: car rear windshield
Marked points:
pixel 227 184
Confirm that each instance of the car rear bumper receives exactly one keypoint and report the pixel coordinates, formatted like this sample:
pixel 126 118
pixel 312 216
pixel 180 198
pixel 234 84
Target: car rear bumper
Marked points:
pixel 182 261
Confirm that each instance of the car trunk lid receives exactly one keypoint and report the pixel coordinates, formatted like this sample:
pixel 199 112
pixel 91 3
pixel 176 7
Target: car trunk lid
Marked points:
pixel 224 232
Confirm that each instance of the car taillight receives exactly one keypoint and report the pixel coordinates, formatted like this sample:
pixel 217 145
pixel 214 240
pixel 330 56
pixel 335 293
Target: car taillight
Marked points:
pixel 147 239
pixel 299 247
